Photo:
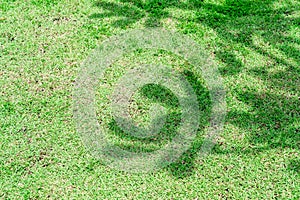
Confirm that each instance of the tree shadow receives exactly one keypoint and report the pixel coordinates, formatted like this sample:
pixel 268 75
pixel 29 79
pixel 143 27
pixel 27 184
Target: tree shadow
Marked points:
pixel 294 165
pixel 158 94
pixel 258 26
pixel 128 14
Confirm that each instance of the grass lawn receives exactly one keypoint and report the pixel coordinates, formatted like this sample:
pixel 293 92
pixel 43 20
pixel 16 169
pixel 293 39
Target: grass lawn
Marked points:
pixel 256 45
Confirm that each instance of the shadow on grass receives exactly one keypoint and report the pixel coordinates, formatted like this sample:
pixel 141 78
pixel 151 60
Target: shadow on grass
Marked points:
pixel 239 25
pixel 161 95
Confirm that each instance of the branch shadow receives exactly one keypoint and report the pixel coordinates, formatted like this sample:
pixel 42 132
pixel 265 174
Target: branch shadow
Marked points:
pixel 158 94
pixel 272 117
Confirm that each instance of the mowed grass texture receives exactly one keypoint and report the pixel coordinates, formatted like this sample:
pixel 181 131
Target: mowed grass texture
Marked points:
pixel 256 45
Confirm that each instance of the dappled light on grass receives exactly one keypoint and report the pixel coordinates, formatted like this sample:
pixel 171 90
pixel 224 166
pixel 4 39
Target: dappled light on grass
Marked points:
pixel 256 46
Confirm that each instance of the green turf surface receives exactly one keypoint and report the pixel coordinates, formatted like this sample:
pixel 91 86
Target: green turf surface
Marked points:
pixel 256 45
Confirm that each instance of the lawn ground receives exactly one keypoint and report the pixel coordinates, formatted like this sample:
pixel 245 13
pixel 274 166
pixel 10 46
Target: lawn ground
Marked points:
pixel 256 45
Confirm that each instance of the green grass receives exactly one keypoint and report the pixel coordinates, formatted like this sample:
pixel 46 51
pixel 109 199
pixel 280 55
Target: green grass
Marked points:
pixel 256 45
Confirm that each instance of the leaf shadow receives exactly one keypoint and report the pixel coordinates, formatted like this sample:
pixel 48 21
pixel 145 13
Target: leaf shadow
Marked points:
pixel 272 117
